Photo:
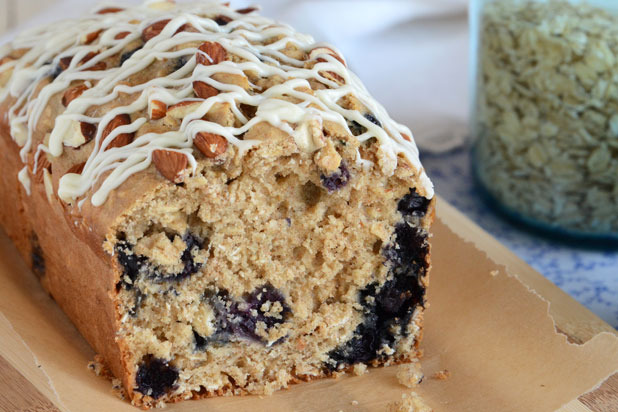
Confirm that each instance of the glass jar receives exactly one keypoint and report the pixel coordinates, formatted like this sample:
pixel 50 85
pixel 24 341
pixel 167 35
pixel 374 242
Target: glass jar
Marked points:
pixel 545 112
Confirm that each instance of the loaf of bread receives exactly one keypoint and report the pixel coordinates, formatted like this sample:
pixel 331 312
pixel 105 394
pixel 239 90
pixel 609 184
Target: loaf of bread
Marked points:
pixel 213 199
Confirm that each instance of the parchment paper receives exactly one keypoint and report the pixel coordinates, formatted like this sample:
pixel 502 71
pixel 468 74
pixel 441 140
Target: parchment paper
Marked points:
pixel 490 331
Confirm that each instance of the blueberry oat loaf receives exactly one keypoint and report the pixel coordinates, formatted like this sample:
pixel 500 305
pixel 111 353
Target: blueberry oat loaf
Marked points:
pixel 214 199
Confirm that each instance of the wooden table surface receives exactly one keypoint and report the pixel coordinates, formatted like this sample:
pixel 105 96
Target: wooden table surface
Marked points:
pixel 572 319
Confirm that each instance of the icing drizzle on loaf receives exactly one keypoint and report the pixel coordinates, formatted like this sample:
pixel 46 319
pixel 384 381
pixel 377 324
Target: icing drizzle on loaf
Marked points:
pixel 164 28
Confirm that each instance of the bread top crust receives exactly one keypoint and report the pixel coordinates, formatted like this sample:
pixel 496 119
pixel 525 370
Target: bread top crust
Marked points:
pixel 98 101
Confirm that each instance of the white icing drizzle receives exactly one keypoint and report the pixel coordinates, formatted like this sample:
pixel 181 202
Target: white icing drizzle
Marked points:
pixel 243 36
pixel 24 179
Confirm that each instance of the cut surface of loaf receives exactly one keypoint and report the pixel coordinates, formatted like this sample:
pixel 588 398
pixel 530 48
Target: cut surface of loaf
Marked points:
pixel 214 199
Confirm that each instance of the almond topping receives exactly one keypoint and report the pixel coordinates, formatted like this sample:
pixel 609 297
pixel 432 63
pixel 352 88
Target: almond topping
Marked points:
pixel 78 168
pixel 211 53
pixel 5 59
pixel 87 57
pixel 97 67
pixel 204 90
pixel 108 10
pixel 122 35
pixel 406 137
pixel 42 164
pixel 188 27
pixel 246 10
pixel 89 130
pixel 154 29
pixel 332 76
pixel 157 109
pixel 122 139
pixel 210 144
pixel 222 20
pixel 65 62
pixel 324 50
pixel 182 109
pixel 170 164
pixel 90 37
pixel 73 93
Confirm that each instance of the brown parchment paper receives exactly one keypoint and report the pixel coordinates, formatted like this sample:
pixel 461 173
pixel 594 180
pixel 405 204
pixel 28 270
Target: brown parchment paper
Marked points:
pixel 491 332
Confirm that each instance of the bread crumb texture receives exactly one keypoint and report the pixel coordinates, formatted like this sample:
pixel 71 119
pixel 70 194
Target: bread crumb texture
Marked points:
pixel 410 374
pixel 409 403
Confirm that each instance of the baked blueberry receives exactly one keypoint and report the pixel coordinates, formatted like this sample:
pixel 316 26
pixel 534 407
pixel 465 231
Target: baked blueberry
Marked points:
pixel 130 262
pixel 36 255
pixel 337 180
pixel 373 119
pixel 155 377
pixel 126 55
pixel 413 204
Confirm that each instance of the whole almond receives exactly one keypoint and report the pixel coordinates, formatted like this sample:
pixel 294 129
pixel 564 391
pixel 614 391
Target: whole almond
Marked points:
pixel 89 130
pixel 332 76
pixel 6 59
pixel 108 10
pixel 210 144
pixel 154 29
pixel 157 109
pixel 246 10
pixel 324 50
pixel 65 62
pixel 73 93
pixel 77 168
pixel 204 90
pixel 122 35
pixel 90 37
pixel 187 27
pixel 222 20
pixel 170 164
pixel 87 57
pixel 122 139
pixel 210 53
pixel 96 67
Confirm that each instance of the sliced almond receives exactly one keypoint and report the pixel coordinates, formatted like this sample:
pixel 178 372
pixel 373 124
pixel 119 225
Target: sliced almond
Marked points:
pixel 172 165
pixel 181 109
pixel 122 139
pixel 77 168
pixel 156 109
pixel 122 35
pixel 154 29
pixel 210 53
pixel 73 93
pixel 108 10
pixel 92 36
pixel 210 144
pixel 313 54
pixel 204 90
